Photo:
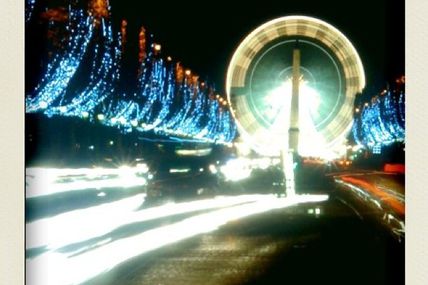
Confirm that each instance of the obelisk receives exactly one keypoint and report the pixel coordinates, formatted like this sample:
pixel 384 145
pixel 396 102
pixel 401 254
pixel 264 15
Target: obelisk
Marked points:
pixel 291 151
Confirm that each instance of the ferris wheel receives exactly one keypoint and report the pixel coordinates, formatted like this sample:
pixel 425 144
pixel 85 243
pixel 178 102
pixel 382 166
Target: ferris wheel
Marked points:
pixel 259 83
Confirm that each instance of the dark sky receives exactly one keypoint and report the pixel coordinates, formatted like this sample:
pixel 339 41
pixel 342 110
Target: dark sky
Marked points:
pixel 204 34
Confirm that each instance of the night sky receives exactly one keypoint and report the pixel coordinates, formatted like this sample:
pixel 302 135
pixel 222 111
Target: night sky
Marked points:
pixel 204 34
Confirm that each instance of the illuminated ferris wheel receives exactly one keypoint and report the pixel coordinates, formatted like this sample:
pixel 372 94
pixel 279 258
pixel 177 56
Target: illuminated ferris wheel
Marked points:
pixel 259 85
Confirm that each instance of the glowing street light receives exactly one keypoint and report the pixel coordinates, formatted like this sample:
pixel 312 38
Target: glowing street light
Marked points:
pixel 157 47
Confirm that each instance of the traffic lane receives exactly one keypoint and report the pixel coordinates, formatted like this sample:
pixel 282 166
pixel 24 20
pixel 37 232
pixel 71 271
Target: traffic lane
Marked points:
pixel 84 228
pixel 59 203
pixel 380 195
pixel 286 246
pixel 385 196
pixel 86 263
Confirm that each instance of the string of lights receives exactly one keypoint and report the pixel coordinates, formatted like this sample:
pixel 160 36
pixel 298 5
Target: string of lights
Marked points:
pixel 83 80
pixel 29 8
pixel 382 122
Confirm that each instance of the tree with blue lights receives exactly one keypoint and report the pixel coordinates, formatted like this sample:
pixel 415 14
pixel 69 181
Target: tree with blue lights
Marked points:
pixel 82 79
pixel 382 122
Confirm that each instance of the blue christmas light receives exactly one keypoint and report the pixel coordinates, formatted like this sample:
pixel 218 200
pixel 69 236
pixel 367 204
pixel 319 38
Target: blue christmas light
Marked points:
pixel 29 8
pixel 382 122
pixel 82 80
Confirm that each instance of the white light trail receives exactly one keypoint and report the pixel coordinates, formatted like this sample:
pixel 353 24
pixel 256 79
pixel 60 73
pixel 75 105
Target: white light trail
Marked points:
pixel 56 268
pixel 80 225
pixel 47 181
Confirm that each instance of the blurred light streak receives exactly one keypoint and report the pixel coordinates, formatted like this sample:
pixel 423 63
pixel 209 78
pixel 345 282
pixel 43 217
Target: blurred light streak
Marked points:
pixel 195 152
pixel 49 268
pixel 47 181
pixel 80 225
pixel 390 198
pixel 179 170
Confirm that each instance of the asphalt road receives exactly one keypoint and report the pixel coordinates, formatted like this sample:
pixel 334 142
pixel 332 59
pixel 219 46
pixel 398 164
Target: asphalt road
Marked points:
pixel 317 243
pixel 238 234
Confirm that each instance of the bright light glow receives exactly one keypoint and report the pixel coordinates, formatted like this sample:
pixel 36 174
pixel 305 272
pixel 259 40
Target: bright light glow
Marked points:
pixel 48 268
pixel 179 170
pixel 264 163
pixel 43 105
pixel 288 167
pixel 47 181
pixel 357 147
pixel 241 167
pixel 309 100
pixel 243 148
pixel 142 168
pixel 236 169
pixel 194 152
pixel 212 169
pixel 278 104
pixel 100 117
pixel 80 225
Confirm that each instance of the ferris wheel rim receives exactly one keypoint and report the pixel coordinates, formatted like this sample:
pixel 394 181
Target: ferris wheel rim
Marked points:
pixel 298 25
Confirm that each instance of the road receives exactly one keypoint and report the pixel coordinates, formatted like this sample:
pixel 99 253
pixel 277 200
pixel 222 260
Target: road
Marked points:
pixel 284 246
pixel 110 236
